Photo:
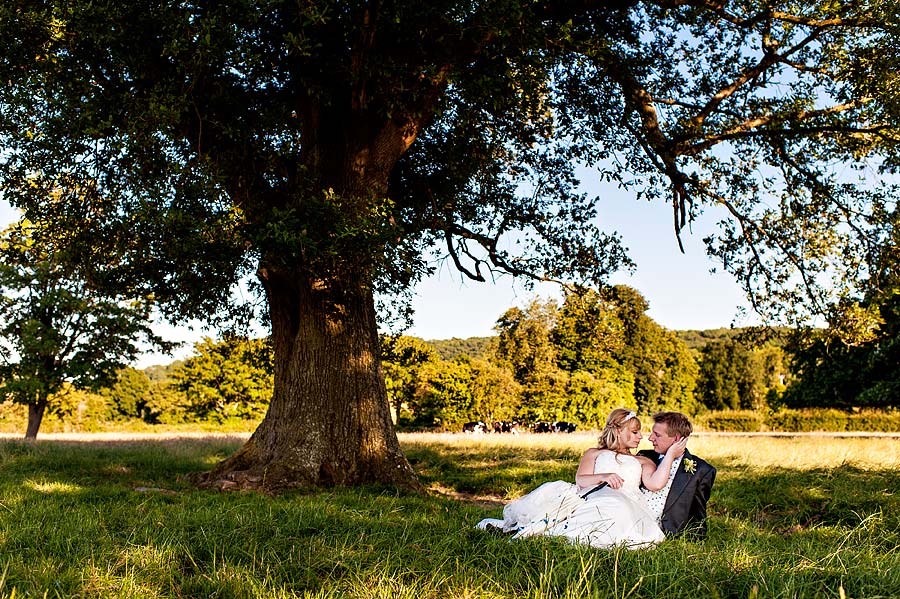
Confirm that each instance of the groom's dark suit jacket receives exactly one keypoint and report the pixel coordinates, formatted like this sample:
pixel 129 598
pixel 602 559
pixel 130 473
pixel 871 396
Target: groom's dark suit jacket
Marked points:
pixel 685 509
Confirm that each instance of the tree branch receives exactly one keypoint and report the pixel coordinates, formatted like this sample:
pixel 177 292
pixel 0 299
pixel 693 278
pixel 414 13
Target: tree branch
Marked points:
pixel 750 128
pixel 769 58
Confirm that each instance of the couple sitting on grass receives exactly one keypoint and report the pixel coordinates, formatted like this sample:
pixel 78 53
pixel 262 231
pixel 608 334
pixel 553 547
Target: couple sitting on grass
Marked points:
pixel 621 499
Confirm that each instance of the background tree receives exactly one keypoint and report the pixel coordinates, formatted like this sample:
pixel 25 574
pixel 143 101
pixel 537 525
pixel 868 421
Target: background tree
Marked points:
pixel 165 404
pixel 444 397
pixel 57 329
pixel 335 147
pixel 523 341
pixel 231 378
pixel 723 379
pixel 402 357
pixel 525 346
pixel 472 347
pixel 663 368
pixel 853 362
pixel 496 393
pixel 590 396
pixel 587 332
pixel 128 394
pixel 589 338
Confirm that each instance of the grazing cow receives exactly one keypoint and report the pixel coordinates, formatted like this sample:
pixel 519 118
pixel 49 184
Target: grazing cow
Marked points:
pixel 562 427
pixel 506 426
pixel 541 427
pixel 475 428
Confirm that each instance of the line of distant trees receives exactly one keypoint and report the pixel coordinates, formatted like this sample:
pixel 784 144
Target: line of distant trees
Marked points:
pixel 225 380
pixel 548 362
pixel 575 362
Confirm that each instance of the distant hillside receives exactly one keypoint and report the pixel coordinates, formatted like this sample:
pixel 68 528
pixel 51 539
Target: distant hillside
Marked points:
pixel 697 339
pixel 481 347
pixel 161 373
pixel 473 347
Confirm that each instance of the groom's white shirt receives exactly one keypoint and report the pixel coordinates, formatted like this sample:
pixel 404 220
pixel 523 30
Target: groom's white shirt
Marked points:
pixel 656 500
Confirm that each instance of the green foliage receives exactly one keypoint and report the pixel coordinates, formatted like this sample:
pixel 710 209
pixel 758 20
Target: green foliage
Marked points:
pixel 801 421
pixel 592 395
pixel 724 377
pixel 56 328
pixel 443 396
pixel 162 373
pixel 231 378
pixel 738 421
pixel 218 129
pixel 811 420
pixel 128 395
pixel 587 334
pixel 697 339
pixel 546 398
pixel 166 404
pixel 597 352
pixel 470 347
pixel 495 392
pixel 853 363
pixel 401 359
pixel 831 373
pixel 734 375
pixel 663 368
pixel 524 341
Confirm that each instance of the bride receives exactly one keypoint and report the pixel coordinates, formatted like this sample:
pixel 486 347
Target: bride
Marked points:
pixel 605 507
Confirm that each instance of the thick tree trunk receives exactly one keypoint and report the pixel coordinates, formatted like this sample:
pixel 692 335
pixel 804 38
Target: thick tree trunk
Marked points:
pixel 329 420
pixel 35 415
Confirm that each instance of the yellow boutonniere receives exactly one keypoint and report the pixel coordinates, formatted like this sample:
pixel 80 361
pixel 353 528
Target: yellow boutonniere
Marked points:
pixel 690 466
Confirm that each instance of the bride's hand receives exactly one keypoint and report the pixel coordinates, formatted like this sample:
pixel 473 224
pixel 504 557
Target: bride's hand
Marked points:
pixel 676 450
pixel 613 480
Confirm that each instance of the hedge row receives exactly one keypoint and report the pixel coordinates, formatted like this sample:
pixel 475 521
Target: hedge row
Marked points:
pixel 799 421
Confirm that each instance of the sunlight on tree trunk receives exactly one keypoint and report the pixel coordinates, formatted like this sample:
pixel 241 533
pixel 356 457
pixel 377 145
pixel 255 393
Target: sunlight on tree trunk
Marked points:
pixel 329 420
pixel 35 416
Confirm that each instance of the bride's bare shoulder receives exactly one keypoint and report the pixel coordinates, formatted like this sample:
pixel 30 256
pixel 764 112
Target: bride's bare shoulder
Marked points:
pixel 591 452
pixel 597 453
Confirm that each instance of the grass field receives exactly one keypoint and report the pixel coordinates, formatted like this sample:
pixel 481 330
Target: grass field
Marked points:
pixel 791 517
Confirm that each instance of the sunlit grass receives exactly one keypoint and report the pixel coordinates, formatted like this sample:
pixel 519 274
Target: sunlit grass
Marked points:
pixel 801 452
pixel 51 487
pixel 790 517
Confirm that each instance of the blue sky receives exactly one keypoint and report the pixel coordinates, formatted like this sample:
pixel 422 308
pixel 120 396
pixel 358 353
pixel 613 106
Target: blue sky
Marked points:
pixel 679 287
pixel 682 292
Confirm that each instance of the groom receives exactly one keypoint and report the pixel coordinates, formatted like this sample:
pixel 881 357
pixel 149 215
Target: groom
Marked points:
pixel 681 504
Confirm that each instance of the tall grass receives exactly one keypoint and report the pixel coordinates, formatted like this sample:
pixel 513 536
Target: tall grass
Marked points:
pixel 790 518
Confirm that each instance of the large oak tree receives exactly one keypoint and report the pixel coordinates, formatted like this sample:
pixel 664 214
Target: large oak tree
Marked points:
pixel 335 148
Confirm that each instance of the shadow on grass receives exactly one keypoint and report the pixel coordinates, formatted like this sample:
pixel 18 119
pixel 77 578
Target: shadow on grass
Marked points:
pixel 496 471
pixel 72 524
pixel 127 463
pixel 790 501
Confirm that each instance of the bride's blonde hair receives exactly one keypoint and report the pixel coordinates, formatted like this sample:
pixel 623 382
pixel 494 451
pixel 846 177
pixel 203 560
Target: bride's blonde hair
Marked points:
pixel 618 420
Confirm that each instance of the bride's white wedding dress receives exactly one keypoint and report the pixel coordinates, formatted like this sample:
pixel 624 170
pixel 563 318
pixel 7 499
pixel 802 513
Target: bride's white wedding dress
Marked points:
pixel 605 518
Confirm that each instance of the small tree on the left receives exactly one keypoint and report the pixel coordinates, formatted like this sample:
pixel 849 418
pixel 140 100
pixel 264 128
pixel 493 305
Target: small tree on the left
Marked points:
pixel 55 329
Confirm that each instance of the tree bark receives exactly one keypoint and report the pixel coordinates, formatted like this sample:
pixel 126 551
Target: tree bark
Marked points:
pixel 35 415
pixel 329 421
